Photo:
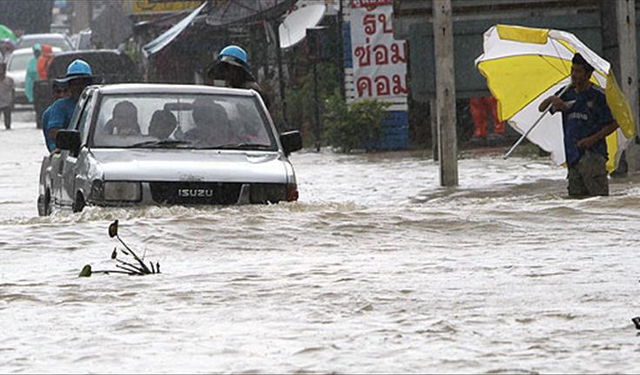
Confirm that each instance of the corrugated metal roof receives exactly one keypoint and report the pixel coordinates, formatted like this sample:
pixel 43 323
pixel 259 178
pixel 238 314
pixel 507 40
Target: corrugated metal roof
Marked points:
pixel 243 11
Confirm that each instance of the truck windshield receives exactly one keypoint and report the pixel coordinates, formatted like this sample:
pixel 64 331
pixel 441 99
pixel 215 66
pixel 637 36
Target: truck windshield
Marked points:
pixel 182 121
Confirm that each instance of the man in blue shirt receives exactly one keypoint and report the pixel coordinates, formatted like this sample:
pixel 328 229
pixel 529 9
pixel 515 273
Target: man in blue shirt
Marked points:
pixel 59 91
pixel 59 114
pixel 586 122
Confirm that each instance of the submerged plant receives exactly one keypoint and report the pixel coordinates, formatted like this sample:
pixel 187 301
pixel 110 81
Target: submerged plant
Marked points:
pixel 132 267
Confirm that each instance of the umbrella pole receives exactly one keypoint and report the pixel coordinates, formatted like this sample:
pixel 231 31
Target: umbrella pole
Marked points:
pixel 546 110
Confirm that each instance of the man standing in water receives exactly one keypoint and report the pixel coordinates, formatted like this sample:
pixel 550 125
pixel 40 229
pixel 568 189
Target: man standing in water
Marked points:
pixel 7 95
pixel 78 77
pixel 586 122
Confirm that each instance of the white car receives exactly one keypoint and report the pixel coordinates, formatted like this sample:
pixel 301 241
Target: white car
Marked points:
pixel 54 40
pixel 157 144
pixel 17 70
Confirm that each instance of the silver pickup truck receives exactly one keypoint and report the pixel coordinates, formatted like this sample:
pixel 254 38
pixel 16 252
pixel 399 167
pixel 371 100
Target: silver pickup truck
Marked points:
pixel 151 144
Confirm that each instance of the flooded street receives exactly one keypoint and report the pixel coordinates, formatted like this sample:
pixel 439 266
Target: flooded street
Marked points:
pixel 375 269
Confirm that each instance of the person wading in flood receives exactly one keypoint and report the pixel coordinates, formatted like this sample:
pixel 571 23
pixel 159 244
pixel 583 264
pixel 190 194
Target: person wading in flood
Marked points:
pixel 586 122
pixel 78 77
pixel 232 67
pixel 7 95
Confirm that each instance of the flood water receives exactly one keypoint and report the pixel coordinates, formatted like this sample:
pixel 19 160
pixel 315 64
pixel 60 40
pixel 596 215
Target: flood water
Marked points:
pixel 376 269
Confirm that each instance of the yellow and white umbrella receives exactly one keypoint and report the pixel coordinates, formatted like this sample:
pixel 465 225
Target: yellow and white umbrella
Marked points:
pixel 523 66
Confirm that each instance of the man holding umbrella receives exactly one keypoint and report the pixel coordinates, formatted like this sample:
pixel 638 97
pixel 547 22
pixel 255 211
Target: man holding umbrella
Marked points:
pixel 7 43
pixel 79 76
pixel 525 66
pixel 6 49
pixel 586 122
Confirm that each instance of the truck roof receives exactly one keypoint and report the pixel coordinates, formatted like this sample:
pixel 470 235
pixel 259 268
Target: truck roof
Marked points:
pixel 162 88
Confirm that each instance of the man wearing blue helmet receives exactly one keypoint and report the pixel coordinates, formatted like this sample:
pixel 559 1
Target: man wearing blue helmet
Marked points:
pixel 59 114
pixel 232 67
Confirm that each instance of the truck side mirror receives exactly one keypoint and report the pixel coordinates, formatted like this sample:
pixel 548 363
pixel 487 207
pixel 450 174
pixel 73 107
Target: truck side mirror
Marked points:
pixel 69 140
pixel 291 141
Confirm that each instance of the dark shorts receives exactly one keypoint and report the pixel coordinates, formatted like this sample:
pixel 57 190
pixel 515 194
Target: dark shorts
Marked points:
pixel 589 177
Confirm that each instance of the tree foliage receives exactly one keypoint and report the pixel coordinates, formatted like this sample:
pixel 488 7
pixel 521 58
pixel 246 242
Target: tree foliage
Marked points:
pixel 301 101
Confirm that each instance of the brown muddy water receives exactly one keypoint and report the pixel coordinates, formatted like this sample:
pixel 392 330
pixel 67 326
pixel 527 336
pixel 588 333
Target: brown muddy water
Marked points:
pixel 376 269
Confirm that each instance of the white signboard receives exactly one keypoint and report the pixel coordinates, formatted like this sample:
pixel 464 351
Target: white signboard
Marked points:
pixel 379 61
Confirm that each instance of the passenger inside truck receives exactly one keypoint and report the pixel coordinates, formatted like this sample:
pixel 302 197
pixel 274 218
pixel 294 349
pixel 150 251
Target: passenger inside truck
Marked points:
pixel 124 120
pixel 162 124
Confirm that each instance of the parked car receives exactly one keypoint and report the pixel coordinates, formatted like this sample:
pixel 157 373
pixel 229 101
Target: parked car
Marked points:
pixel 157 144
pixel 17 70
pixel 111 66
pixel 54 40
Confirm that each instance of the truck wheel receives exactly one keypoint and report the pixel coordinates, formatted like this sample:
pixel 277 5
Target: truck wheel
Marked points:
pixel 47 204
pixel 44 204
pixel 79 204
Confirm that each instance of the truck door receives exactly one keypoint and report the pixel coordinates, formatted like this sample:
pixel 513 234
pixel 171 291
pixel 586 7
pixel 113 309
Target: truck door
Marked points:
pixel 67 169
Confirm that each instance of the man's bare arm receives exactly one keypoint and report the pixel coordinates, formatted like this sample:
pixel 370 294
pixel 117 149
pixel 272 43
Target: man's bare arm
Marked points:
pixel 558 104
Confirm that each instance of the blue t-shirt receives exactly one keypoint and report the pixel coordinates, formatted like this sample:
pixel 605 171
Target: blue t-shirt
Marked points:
pixel 57 116
pixel 587 114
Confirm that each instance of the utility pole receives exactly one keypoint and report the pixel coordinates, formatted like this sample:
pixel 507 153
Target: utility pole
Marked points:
pixel 314 43
pixel 82 11
pixel 281 85
pixel 433 117
pixel 340 61
pixel 626 25
pixel 445 92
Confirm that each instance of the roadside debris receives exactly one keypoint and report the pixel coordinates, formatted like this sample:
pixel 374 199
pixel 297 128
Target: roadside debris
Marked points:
pixel 133 267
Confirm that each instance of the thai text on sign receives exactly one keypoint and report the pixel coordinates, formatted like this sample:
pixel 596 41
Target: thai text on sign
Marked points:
pixel 379 61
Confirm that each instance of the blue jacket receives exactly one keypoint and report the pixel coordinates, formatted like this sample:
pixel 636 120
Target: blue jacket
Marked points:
pixel 57 116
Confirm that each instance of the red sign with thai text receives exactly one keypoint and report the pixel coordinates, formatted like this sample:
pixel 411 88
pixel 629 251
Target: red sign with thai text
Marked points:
pixel 379 61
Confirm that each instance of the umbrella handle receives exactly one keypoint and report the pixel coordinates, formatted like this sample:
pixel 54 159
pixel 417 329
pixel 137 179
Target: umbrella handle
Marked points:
pixel 546 110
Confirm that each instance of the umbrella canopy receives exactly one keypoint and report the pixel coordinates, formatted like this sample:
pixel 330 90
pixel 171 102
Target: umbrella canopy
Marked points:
pixel 6 33
pixel 523 66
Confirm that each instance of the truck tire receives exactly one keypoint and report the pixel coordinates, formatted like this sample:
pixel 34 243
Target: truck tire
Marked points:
pixel 44 204
pixel 79 203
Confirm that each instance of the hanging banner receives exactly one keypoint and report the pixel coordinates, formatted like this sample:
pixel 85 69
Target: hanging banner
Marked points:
pixel 379 61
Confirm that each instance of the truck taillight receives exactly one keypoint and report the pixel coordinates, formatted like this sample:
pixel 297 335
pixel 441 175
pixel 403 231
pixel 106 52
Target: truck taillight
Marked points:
pixel 292 192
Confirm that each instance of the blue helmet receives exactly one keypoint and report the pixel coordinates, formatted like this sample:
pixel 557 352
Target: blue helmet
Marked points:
pixel 234 54
pixel 77 69
pixel 230 55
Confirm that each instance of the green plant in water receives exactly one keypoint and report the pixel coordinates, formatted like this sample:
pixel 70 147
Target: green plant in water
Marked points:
pixel 358 125
pixel 135 267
